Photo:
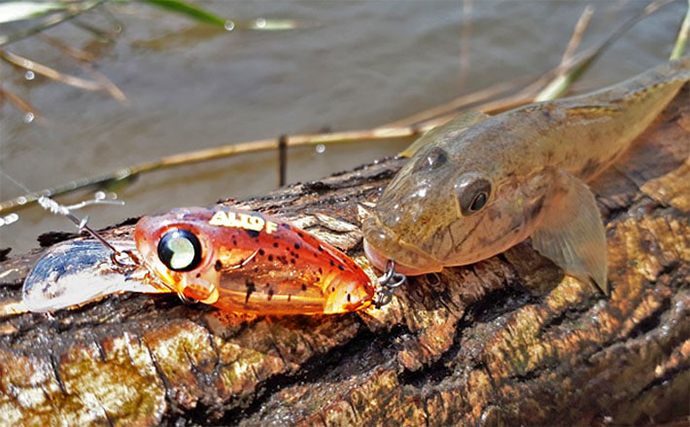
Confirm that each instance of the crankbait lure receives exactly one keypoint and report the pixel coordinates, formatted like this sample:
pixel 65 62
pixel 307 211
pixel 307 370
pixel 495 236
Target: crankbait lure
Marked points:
pixel 232 259
pixel 246 261
pixel 473 190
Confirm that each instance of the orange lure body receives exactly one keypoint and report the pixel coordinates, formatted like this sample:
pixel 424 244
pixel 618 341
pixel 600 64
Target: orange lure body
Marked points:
pixel 248 262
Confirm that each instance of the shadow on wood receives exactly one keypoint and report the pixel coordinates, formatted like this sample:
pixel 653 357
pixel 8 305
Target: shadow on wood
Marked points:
pixel 506 341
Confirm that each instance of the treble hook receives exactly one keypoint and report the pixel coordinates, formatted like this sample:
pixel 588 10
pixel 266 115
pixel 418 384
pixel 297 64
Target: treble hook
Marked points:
pixel 185 299
pixel 387 285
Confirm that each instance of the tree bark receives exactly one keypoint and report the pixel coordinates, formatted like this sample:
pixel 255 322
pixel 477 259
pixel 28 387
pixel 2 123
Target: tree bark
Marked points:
pixel 507 341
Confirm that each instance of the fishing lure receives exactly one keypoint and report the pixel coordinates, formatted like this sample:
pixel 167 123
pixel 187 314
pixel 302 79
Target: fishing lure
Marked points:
pixel 246 261
pixel 232 259
pixel 478 185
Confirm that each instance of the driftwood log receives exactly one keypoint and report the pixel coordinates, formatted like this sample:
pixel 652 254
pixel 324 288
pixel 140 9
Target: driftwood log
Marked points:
pixel 508 341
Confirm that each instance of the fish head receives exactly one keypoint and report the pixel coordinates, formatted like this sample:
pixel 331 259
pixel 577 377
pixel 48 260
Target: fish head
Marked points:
pixel 178 249
pixel 446 210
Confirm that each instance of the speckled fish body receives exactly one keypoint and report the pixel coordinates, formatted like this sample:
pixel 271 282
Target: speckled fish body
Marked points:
pixel 470 192
pixel 253 263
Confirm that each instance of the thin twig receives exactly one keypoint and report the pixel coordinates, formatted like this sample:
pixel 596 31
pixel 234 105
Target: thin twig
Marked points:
pixel 30 112
pixel 51 73
pixel 576 38
pixel 19 102
pixel 107 84
pixel 562 77
pixel 560 82
pixel 282 161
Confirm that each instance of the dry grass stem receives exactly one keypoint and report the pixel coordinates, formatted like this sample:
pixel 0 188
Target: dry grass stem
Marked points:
pixel 106 83
pixel 85 58
pixel 102 83
pixel 78 54
pixel 48 72
pixel 16 100
pixel 578 33
pixel 460 102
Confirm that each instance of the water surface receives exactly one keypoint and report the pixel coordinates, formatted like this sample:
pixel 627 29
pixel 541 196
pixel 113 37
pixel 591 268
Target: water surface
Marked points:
pixel 353 65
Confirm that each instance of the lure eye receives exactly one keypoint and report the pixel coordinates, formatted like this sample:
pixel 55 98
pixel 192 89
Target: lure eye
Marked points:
pixel 473 193
pixel 433 160
pixel 180 250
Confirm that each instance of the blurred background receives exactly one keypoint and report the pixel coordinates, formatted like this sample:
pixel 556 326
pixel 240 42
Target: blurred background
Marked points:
pixel 346 65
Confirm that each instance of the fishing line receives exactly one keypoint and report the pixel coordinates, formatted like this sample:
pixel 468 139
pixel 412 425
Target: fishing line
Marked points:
pixel 56 208
pixel 13 217
pixel 14 181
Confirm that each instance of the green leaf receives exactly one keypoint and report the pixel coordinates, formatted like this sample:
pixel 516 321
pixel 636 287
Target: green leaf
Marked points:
pixel 20 10
pixel 183 8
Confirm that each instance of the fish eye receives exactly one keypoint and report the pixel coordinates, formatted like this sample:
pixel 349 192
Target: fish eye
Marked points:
pixel 479 201
pixel 180 250
pixel 473 193
pixel 433 160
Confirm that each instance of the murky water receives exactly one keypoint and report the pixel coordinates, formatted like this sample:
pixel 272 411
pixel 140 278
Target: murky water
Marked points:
pixel 353 65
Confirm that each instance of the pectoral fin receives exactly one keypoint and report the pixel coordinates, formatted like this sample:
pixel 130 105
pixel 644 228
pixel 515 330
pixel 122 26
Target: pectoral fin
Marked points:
pixel 572 233
pixel 448 130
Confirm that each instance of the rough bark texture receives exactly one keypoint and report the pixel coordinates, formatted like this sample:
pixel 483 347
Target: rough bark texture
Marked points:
pixel 507 341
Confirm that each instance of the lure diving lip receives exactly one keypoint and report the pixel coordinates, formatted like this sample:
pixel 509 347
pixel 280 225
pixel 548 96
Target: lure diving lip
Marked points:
pixel 79 271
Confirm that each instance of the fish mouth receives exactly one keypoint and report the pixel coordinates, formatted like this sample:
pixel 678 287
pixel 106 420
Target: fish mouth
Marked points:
pixel 381 246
